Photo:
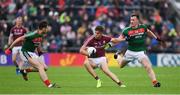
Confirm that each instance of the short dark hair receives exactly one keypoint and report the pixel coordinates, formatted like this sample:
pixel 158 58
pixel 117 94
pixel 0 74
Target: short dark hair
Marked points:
pixel 99 28
pixel 136 15
pixel 43 24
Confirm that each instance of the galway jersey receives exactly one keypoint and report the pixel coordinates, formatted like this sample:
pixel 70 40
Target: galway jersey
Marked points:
pixel 98 44
pixel 32 41
pixel 136 37
pixel 18 32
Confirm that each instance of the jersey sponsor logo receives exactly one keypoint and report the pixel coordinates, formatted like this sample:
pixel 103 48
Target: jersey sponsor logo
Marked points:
pixel 18 32
pixel 168 60
pixel 136 32
pixel 37 40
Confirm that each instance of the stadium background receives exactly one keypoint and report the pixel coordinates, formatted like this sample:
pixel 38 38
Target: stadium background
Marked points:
pixel 71 22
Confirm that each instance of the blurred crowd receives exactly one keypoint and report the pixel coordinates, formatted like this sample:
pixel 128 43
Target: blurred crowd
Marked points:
pixel 71 21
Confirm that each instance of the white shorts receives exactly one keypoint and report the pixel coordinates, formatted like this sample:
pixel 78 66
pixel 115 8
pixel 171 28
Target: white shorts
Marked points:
pixel 24 56
pixel 16 49
pixel 98 61
pixel 133 55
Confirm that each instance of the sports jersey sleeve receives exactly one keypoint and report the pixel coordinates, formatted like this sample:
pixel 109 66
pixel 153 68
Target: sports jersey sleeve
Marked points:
pixel 125 34
pixel 87 42
pixel 29 35
pixel 145 27
pixel 108 39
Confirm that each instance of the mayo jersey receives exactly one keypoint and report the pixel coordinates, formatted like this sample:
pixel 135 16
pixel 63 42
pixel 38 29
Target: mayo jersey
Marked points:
pixel 136 37
pixel 32 41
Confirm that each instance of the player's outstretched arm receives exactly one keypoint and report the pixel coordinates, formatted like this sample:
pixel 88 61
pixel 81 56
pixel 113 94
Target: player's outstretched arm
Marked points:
pixel 151 34
pixel 10 39
pixel 119 39
pixel 16 41
pixel 9 49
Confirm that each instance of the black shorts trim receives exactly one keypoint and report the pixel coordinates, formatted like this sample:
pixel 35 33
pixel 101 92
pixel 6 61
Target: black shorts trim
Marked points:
pixel 26 54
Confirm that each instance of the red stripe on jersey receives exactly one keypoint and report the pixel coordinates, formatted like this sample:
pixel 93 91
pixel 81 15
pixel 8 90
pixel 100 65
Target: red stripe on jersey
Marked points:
pixel 89 39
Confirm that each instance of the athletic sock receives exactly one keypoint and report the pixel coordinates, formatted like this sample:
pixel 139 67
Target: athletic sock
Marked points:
pixel 154 82
pixel 28 70
pixel 31 70
pixel 96 77
pixel 47 82
pixel 119 83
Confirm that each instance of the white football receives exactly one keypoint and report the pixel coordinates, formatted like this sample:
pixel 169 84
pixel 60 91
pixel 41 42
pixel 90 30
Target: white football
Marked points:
pixel 90 50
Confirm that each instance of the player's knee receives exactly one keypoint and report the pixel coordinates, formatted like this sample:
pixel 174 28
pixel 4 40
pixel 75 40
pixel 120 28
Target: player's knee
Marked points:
pixel 147 67
pixel 85 64
pixel 105 70
pixel 40 67
pixel 45 68
pixel 121 66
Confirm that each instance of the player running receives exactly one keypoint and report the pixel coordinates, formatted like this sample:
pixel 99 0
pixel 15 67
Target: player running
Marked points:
pixel 98 59
pixel 32 41
pixel 136 35
pixel 17 31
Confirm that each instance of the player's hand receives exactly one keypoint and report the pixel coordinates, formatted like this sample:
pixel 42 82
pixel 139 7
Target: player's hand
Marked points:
pixel 162 42
pixel 116 54
pixel 41 52
pixel 108 45
pixel 93 54
pixel 8 51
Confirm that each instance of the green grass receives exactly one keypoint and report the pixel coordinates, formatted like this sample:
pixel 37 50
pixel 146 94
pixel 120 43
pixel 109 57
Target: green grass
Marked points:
pixel 76 80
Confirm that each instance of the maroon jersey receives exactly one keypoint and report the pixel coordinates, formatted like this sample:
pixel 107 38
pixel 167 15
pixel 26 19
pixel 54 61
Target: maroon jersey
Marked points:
pixel 17 32
pixel 98 44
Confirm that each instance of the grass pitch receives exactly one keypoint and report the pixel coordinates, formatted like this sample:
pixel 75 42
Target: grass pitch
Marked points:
pixel 76 80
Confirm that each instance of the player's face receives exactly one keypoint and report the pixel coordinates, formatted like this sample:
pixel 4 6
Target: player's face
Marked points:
pixel 45 30
pixel 19 21
pixel 98 34
pixel 134 21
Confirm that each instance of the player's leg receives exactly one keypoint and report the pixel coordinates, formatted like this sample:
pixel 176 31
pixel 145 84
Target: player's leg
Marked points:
pixel 122 60
pixel 22 69
pixel 123 63
pixel 33 69
pixel 16 57
pixel 147 65
pixel 32 59
pixel 105 69
pixel 42 61
pixel 29 68
pixel 89 65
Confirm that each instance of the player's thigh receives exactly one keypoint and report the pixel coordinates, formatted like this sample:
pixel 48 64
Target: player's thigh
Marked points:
pixel 92 63
pixel 145 62
pixel 35 63
pixel 14 56
pixel 15 51
pixel 31 58
pixel 104 67
pixel 123 63
pixel 41 60
pixel 97 62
